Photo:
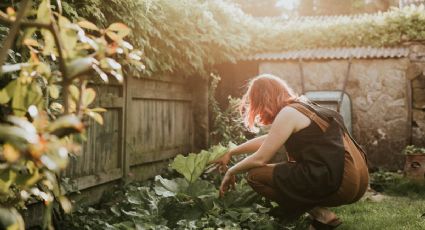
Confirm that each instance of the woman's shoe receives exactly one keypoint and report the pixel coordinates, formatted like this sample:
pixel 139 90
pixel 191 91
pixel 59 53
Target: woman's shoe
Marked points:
pixel 317 225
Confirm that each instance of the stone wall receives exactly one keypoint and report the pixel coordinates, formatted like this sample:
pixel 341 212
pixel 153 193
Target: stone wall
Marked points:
pixel 418 124
pixel 377 88
pixel 417 76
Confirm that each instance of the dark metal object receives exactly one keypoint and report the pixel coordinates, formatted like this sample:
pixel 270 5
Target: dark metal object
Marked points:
pixel 337 100
pixel 300 64
pixel 344 86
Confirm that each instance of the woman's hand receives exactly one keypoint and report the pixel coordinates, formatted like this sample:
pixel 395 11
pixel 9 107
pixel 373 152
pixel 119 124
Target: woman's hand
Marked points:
pixel 222 162
pixel 229 181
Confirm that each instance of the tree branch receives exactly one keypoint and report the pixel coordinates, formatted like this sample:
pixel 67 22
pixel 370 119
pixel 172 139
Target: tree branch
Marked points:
pixel 14 30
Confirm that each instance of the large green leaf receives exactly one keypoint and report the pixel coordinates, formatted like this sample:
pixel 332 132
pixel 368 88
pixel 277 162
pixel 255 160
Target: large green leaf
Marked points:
pixel 169 188
pixel 217 151
pixel 191 166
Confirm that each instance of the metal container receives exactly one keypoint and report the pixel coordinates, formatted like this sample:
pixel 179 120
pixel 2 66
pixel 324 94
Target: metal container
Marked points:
pixel 330 99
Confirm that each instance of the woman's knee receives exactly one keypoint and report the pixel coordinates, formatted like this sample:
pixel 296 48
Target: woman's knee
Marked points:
pixel 252 177
pixel 260 176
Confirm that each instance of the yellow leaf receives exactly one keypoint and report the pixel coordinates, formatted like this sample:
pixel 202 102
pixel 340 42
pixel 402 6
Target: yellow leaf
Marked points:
pixel 113 36
pixel 54 91
pixel 98 110
pixel 88 25
pixel 43 12
pixel 10 153
pixel 121 29
pixel 75 92
pixel 88 96
pixel 96 116
pixel 30 42
pixel 4 97
pixel 10 11
pixel 49 43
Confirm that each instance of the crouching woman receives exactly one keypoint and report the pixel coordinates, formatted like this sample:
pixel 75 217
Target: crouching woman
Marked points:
pixel 327 168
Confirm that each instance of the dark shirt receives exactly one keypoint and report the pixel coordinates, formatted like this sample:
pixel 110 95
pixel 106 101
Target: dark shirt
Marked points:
pixel 319 167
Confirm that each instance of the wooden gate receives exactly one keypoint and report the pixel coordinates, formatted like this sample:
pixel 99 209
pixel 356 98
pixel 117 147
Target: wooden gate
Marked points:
pixel 149 120
pixel 102 155
pixel 159 120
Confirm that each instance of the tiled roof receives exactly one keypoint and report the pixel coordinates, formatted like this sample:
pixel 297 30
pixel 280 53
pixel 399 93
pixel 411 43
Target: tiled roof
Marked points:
pixel 407 2
pixel 334 53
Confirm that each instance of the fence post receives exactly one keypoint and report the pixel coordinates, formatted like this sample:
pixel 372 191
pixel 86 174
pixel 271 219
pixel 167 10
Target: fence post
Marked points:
pixel 125 157
pixel 199 88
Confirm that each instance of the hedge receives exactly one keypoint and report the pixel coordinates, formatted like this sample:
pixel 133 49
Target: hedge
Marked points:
pixel 190 36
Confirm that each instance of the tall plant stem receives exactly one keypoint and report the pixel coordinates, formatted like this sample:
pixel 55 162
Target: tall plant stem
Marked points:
pixel 8 42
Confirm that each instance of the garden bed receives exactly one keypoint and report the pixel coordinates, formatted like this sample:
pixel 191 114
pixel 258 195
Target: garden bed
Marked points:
pixel 179 203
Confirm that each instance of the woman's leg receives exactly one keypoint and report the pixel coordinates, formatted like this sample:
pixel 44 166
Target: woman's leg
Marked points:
pixel 322 214
pixel 261 180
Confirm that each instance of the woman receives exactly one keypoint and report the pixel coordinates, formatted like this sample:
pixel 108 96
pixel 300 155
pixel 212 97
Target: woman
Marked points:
pixel 326 167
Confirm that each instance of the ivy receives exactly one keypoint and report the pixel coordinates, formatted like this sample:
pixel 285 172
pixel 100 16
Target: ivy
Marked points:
pixel 189 37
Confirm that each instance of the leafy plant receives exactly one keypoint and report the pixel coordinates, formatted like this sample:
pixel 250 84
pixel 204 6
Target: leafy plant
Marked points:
pixel 194 164
pixel 227 125
pixel 44 99
pixel 413 150
pixel 179 203
pixel 197 35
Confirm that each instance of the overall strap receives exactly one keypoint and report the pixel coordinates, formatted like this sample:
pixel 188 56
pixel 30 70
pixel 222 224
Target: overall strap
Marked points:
pixel 323 125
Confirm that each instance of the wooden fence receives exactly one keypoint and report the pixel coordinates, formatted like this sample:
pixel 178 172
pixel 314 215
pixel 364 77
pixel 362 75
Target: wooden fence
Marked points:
pixel 149 120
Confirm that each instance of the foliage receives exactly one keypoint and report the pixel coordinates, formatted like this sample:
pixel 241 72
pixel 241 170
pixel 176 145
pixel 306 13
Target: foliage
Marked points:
pixel 396 184
pixel 265 8
pixel 179 203
pixel 44 99
pixel 227 124
pixel 196 35
pixel 193 165
pixel 413 150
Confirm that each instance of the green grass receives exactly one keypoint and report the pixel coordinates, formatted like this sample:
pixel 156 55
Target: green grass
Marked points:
pixel 392 213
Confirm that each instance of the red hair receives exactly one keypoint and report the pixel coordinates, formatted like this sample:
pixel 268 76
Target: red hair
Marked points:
pixel 265 97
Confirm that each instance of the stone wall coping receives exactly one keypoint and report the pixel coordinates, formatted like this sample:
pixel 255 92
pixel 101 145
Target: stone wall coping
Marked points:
pixel 333 53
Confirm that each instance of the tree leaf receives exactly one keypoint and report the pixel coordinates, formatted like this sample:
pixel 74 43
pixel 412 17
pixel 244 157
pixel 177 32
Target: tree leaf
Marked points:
pixel 4 97
pixel 89 95
pixel 10 153
pixel 121 29
pixel 98 110
pixel 79 66
pixel 19 96
pixel 44 12
pixel 66 125
pixel 88 25
pixel 75 92
pixel 54 91
pixel 113 36
pixel 96 117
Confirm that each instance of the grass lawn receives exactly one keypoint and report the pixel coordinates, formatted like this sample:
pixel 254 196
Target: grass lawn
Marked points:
pixel 399 205
pixel 394 212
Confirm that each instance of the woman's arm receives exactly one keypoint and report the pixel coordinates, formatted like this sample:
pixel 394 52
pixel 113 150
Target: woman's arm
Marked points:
pixel 282 127
pixel 249 146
